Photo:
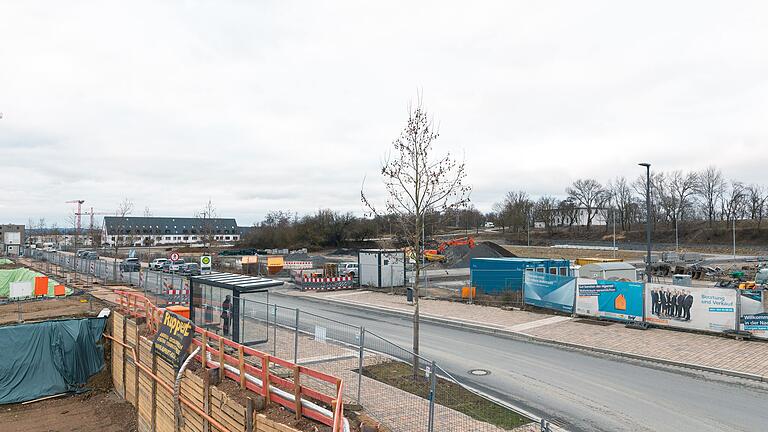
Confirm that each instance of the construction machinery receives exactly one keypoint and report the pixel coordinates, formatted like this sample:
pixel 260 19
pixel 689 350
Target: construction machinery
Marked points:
pixel 436 255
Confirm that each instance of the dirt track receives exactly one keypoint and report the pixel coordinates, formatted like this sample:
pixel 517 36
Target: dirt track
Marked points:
pixel 39 310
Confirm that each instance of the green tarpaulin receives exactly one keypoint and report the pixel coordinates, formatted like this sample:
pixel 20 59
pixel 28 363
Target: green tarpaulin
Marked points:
pixel 50 357
pixel 4 261
pixel 24 275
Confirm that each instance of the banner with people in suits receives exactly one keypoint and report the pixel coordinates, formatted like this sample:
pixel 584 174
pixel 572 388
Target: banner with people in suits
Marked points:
pixel 695 308
pixel 618 300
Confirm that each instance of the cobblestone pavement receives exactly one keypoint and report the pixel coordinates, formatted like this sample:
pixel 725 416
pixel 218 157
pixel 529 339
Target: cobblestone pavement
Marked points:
pixel 743 356
pixel 485 315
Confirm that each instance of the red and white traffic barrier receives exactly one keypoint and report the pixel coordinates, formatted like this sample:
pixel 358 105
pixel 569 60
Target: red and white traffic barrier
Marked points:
pixel 177 296
pixel 297 265
pixel 308 279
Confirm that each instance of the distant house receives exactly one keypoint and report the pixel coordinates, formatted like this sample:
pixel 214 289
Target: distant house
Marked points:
pixel 581 217
pixel 167 230
pixel 11 239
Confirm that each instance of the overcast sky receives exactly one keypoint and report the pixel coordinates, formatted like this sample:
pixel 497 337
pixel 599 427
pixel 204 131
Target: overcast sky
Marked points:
pixel 289 105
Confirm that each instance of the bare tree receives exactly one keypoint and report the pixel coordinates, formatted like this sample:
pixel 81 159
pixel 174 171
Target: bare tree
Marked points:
pixel 122 236
pixel 683 189
pixel 734 201
pixel 710 188
pixel 756 199
pixel 545 210
pixel 417 182
pixel 206 217
pixel 590 195
pixel 622 200
pixel 567 212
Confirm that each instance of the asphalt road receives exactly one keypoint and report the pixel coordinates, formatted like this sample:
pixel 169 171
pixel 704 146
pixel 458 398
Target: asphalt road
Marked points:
pixel 583 392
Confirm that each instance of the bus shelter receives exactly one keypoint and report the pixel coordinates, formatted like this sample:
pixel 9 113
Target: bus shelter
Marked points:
pixel 232 305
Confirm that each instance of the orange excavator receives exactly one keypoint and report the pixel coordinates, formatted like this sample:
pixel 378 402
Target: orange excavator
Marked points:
pixel 436 255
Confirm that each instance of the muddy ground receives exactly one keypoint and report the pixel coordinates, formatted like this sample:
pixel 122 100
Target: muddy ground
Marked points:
pixel 98 410
pixel 39 310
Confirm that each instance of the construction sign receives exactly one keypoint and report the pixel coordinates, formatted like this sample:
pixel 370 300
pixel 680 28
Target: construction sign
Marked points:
pixel 173 339
pixel 205 264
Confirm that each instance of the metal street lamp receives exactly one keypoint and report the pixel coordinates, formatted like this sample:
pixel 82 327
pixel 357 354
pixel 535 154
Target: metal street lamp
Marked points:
pixel 647 217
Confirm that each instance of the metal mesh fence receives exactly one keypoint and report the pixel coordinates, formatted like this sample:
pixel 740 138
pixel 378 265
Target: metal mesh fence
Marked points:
pixel 378 373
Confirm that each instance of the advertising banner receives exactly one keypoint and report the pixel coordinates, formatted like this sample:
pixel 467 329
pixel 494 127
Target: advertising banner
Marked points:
pixel 610 299
pixel 173 338
pixel 709 309
pixel 754 316
pixel 549 291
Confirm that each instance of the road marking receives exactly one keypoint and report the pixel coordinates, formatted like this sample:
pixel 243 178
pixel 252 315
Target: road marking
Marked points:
pixel 539 323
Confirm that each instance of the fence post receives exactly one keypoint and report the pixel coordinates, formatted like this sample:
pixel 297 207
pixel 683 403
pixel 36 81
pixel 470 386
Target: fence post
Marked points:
pixel 241 365
pixel 297 390
pixel 221 358
pixel 274 331
pixel 296 339
pixel 360 363
pixel 432 387
pixel 204 357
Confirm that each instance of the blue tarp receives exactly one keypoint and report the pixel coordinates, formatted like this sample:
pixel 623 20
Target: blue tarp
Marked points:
pixel 47 358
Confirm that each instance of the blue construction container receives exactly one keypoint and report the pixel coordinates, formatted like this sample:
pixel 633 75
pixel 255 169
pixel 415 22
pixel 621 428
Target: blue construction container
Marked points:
pixel 496 275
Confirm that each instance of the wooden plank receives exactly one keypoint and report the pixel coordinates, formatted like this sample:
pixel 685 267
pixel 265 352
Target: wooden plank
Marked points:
pixel 226 420
pixel 297 390
pixel 241 366
pixel 221 359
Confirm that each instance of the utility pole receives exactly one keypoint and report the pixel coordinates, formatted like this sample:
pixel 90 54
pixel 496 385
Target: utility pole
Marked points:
pixel 733 220
pixel 613 213
pixel 77 230
pixel 647 217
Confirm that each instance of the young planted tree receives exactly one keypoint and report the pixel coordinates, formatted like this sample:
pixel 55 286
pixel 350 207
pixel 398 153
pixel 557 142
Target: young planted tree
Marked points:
pixel 121 235
pixel 206 217
pixel 417 182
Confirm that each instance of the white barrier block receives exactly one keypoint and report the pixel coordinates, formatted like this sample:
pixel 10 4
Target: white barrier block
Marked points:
pixel 19 290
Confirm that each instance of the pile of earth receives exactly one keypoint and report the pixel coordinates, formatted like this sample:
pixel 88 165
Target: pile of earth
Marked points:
pixel 460 256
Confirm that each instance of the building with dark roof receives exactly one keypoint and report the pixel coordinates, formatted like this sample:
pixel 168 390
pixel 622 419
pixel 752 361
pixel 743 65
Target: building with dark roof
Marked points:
pixel 148 231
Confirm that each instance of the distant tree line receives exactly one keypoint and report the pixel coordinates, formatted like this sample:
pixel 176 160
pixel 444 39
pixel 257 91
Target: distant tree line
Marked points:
pixel 676 197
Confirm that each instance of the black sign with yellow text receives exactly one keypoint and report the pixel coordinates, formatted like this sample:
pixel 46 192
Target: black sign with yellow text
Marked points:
pixel 173 338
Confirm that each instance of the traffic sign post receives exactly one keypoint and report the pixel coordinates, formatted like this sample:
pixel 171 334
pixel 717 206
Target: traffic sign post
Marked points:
pixel 174 256
pixel 205 264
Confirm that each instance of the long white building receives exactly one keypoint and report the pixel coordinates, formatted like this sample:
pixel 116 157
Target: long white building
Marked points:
pixel 149 231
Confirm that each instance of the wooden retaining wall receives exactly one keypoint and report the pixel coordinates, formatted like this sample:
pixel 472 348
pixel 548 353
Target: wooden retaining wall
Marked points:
pixel 154 404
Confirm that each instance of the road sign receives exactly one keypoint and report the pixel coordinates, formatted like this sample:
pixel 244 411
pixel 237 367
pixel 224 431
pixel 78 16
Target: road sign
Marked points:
pixel 174 256
pixel 93 267
pixel 205 264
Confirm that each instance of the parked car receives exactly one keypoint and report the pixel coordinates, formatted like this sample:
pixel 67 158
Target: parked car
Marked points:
pixel 82 252
pixel 348 269
pixel 130 265
pixel 172 266
pixel 190 269
pixel 157 263
pixel 90 255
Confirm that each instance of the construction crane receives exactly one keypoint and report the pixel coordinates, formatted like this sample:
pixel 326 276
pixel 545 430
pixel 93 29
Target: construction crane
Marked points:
pixel 78 213
pixel 90 227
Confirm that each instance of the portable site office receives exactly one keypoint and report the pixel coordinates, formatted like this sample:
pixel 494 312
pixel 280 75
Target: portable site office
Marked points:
pixel 496 275
pixel 248 317
pixel 381 268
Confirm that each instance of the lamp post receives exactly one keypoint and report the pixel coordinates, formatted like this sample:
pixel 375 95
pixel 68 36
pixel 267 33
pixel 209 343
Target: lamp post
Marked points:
pixel 647 217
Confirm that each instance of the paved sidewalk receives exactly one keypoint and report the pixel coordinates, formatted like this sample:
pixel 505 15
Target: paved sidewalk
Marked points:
pixel 741 358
